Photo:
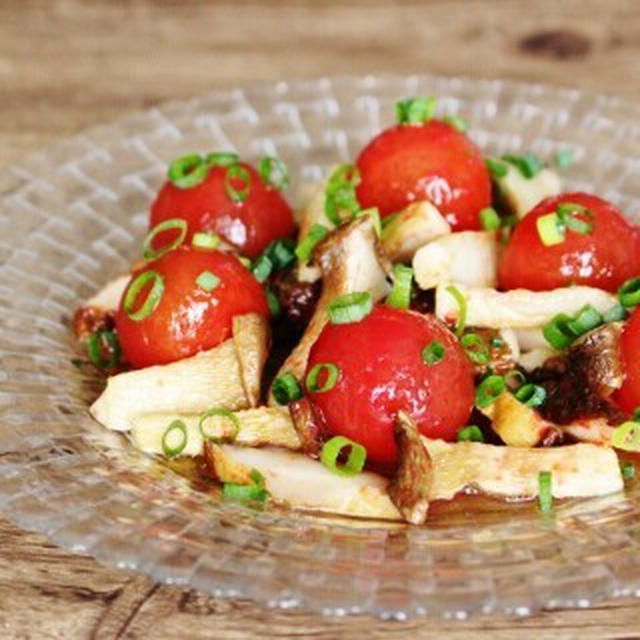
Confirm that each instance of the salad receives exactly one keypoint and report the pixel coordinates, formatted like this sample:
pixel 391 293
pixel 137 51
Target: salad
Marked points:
pixel 428 322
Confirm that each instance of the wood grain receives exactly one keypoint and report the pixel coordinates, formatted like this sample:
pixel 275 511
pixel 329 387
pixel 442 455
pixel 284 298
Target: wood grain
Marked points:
pixel 68 64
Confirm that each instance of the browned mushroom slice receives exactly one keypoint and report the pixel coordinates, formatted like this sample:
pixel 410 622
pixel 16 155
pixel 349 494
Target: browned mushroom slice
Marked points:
pixel 251 339
pixel 307 427
pixel 98 312
pixel 410 486
pixel 350 262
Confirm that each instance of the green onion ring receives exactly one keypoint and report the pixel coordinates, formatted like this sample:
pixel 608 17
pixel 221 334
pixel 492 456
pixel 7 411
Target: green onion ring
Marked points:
pixel 94 349
pixel 233 419
pixel 496 168
pixel 355 460
pixel 488 390
pixel 557 332
pixel 237 172
pixel 514 379
pixel 286 388
pixel 475 348
pixel 545 493
pixel 489 219
pixel 615 314
pixel 628 470
pixel 188 171
pixel 415 110
pixel 629 293
pixel 153 298
pixel 400 295
pixel 462 308
pixel 433 353
pixel 351 307
pixel 274 172
pixel 585 320
pixel 567 212
pixel 221 158
pixel 171 450
pixel 471 433
pixel 531 395
pixel 149 253
pixel 333 373
pixel 317 233
pixel 340 194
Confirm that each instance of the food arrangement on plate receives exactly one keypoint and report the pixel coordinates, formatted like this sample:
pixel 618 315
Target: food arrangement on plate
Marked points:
pixel 429 322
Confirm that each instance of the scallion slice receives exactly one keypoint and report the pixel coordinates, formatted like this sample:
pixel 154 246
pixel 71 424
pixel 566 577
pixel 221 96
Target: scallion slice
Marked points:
pixel 550 231
pixel 286 388
pixel 281 253
pixel 101 342
pixel 585 320
pixel 340 200
pixel 174 439
pixel 531 395
pixel 230 417
pixel 207 281
pixel 332 449
pixel 457 122
pixel 628 470
pixel 627 436
pixel 488 390
pixel 629 293
pixel 351 307
pixel 528 164
pixel 415 110
pixel 400 295
pixel 149 253
pixel 262 268
pixel 327 370
pixel 545 493
pixel 514 379
pixel 462 309
pixel 557 332
pixel 563 158
pixel 252 492
pixel 496 168
pixel 235 174
pixel 615 314
pixel 433 353
pixel 471 433
pixel 274 304
pixel 274 172
pixel 568 213
pixel 188 171
pixel 317 233
pixel 221 158
pixel 205 240
pixel 476 348
pixel 489 219
pixel 151 301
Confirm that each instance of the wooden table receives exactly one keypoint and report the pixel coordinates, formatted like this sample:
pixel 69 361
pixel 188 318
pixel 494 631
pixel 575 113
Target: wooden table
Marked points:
pixel 69 64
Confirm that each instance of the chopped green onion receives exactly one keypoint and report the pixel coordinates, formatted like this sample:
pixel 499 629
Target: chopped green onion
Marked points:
pixel 286 388
pixel 496 342
pixel 253 492
pixel 514 379
pixel 627 436
pixel 557 332
pixel 563 158
pixel 244 261
pixel 340 194
pixel 585 320
pixel 531 395
pixel 101 342
pixel 628 470
pixel 472 433
pixel 433 353
pixel 221 158
pixel 149 253
pixel 462 308
pixel 153 297
pixel 330 371
pixel 332 449
pixel 550 231
pixel 317 233
pixel 174 439
pixel 274 172
pixel 234 174
pixel 400 296
pixel 274 304
pixel 351 307
pixel 567 216
pixel 528 164
pixel 457 122
pixel 415 110
pixel 476 348
pixel 496 168
pixel 489 219
pixel 207 281
pixel 629 293
pixel 188 171
pixel 374 214
pixel 205 240
pixel 488 390
pixel 222 413
pixel 281 253
pixel 615 314
pixel 262 268
pixel 545 494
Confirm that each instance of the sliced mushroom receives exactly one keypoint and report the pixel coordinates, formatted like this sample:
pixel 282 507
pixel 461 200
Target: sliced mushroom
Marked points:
pixel 313 213
pixel 98 312
pixel 410 486
pixel 410 229
pixel 251 339
pixel 521 194
pixel 255 428
pixel 469 258
pixel 519 307
pixel 307 427
pixel 350 262
pixel 108 298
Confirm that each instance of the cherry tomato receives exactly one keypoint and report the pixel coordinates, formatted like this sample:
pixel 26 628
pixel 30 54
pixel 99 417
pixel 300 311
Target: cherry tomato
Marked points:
pixel 628 396
pixel 432 161
pixel 194 312
pixel 250 225
pixel 381 371
pixel 604 258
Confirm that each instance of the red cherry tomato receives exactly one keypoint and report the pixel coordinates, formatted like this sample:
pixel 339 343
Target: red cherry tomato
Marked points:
pixel 188 318
pixel 432 162
pixel 382 371
pixel 604 258
pixel 628 396
pixel 264 216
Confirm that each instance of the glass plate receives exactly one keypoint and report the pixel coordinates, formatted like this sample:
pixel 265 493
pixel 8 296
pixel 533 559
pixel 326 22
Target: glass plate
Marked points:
pixel 74 216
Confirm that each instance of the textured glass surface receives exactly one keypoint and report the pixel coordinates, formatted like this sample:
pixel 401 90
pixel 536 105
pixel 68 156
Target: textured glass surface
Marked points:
pixel 73 217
